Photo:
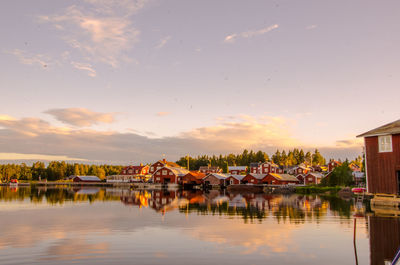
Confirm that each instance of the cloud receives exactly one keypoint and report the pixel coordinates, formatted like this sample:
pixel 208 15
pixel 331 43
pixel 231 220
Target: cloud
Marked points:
pixel 15 156
pixel 357 142
pixel 37 136
pixel 102 32
pixel 85 67
pixel 249 34
pixel 80 116
pixel 310 27
pixel 32 59
pixel 163 113
pixel 163 41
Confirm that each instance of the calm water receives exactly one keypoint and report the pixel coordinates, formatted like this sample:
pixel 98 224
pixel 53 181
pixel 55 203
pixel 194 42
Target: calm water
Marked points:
pixel 116 226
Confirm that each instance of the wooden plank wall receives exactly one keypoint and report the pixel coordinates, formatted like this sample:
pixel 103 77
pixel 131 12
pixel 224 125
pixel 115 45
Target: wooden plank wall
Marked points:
pixel 382 167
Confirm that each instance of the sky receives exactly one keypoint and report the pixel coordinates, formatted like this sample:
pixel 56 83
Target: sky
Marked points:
pixel 131 81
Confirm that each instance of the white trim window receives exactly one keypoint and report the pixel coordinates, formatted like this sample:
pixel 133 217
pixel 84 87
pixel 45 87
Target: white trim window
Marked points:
pixel 385 143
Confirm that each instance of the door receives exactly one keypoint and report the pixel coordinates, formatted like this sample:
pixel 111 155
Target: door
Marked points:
pixel 398 182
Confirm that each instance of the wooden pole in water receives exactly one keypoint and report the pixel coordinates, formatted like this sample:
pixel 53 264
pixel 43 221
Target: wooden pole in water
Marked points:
pixel 354 239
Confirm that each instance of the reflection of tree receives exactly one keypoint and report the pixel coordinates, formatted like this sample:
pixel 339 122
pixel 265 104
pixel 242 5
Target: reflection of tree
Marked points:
pixel 248 206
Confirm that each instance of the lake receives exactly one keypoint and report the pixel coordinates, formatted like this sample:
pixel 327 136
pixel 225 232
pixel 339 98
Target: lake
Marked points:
pixel 90 225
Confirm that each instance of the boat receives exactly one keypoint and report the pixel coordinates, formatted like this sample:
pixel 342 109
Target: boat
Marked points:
pixel 13 182
pixel 358 190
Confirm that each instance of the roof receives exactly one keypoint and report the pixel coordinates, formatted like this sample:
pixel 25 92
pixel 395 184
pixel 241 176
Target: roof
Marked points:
pixel 168 163
pixel 207 167
pixel 257 176
pixel 238 168
pixel 89 178
pixel 255 164
pixel 238 177
pixel 284 177
pixel 217 175
pixel 197 175
pixel 316 175
pixel 271 163
pixel 390 128
pixel 178 171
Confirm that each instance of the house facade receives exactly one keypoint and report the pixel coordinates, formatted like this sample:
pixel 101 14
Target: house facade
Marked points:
pixel 214 179
pixel 193 177
pixel 270 167
pixel 252 178
pixel 237 170
pixel 168 174
pixel 382 152
pixel 312 178
pixel 161 163
pixel 279 179
pixel 135 170
pixel 234 179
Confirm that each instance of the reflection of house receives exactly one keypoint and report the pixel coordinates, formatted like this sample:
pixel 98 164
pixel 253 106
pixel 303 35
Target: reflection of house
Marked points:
pixel 210 169
pixel 161 163
pixel 193 177
pixel 214 179
pixel 234 179
pixel 279 179
pixel 169 174
pixel 313 178
pixel 382 151
pixel 384 239
pixel 86 179
pixel 237 170
pixel 253 178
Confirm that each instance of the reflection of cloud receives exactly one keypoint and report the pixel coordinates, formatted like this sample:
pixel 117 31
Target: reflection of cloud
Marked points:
pixel 250 238
pixel 70 249
pixel 249 34
pixel 80 116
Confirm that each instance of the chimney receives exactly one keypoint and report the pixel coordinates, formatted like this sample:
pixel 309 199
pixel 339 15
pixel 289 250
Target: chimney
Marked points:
pixel 164 161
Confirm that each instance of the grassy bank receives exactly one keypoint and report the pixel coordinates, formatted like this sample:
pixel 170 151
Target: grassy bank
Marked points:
pixel 317 189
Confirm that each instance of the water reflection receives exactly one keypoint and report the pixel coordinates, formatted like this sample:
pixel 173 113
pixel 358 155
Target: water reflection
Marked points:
pixel 95 225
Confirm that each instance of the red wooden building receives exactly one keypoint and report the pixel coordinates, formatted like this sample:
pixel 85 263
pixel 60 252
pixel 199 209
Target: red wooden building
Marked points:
pixel 270 167
pixel 255 168
pixel 135 170
pixel 279 179
pixel 210 169
pixel 313 178
pixel 161 163
pixel 237 170
pixel 301 170
pixel 333 164
pixel 382 151
pixel 169 174
pixel 193 177
pixel 234 179
pixel 214 179
pixel 253 178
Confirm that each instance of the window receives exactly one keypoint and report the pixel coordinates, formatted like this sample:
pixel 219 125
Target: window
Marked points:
pixel 152 168
pixel 171 174
pixel 385 143
pixel 164 172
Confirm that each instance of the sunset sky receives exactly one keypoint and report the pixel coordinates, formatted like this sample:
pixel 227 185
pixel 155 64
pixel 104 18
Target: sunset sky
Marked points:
pixel 125 81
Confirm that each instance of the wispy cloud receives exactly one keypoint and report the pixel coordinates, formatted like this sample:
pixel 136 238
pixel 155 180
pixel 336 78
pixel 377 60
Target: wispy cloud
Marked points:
pixel 85 67
pixel 31 59
pixel 102 32
pixel 163 41
pixel 249 34
pixel 310 27
pixel 163 113
pixel 80 116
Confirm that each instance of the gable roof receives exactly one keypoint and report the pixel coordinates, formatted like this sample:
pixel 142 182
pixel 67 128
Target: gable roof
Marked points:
pixel 257 176
pixel 217 175
pixel 316 175
pixel 178 171
pixel 390 128
pixel 196 175
pixel 284 177
pixel 237 168
pixel 238 177
pixel 88 178
pixel 168 163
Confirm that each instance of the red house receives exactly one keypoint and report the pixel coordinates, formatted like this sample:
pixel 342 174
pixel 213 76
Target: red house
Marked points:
pixel 313 178
pixel 237 170
pixel 253 178
pixel 161 163
pixel 382 151
pixel 193 177
pixel 210 169
pixel 255 168
pixel 169 174
pixel 214 179
pixel 300 170
pixel 135 170
pixel 300 177
pixel 333 164
pixel 279 179
pixel 234 179
pixel 270 167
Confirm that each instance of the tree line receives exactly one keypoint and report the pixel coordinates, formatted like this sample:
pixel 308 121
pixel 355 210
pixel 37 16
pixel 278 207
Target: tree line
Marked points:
pixel 55 170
